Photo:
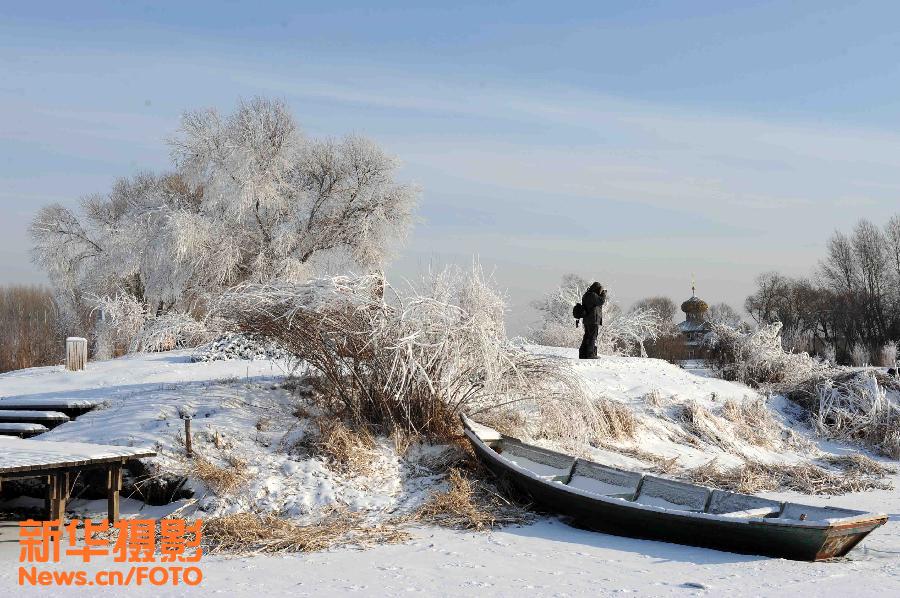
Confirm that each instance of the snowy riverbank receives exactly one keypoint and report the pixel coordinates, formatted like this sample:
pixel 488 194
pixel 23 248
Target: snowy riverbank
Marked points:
pixel 145 395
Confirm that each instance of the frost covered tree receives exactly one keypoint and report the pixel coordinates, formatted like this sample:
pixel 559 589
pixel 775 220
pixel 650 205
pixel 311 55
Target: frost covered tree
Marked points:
pixel 250 198
pixel 664 308
pixel 722 313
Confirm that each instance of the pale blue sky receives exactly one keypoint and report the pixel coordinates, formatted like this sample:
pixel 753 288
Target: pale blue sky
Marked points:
pixel 633 142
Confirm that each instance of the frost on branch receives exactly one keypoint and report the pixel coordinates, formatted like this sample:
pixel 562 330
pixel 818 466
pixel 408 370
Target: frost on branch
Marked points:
pixel 125 326
pixel 858 408
pixel 757 357
pixel 249 199
pixel 406 362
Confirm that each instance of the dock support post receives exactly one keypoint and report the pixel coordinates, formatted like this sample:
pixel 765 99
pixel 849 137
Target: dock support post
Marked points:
pixel 59 494
pixel 48 497
pixel 188 443
pixel 113 486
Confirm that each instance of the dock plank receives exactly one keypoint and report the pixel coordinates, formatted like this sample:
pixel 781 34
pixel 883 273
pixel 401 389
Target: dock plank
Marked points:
pixel 48 403
pixel 18 455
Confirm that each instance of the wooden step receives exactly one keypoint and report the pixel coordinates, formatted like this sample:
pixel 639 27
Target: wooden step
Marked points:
pixel 21 430
pixel 70 407
pixel 50 419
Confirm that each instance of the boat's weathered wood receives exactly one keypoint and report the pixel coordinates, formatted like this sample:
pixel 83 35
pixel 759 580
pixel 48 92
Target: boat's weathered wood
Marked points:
pixel 670 510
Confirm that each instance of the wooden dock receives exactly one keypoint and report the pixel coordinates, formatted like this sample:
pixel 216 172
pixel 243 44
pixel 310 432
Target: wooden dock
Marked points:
pixel 59 462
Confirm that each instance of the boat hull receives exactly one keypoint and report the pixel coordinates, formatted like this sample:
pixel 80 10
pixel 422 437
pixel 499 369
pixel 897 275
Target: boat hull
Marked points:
pixel 758 537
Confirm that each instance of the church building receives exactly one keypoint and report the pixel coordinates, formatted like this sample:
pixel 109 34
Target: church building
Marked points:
pixel 695 326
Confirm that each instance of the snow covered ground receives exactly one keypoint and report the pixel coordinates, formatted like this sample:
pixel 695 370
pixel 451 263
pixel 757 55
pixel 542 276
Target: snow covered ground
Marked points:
pixel 241 404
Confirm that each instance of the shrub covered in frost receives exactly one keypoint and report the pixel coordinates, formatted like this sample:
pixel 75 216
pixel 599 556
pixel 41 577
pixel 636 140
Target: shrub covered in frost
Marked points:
pixel 125 326
pixel 757 357
pixel 396 361
pixel 234 345
pixel 859 408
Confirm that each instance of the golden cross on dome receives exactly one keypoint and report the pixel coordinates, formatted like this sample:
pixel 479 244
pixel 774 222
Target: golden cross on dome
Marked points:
pixel 693 286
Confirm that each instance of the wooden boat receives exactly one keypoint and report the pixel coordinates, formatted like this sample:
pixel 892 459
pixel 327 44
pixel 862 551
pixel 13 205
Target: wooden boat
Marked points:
pixel 630 503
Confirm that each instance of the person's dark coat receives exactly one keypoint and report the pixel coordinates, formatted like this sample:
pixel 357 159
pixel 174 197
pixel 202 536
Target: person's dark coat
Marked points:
pixel 592 301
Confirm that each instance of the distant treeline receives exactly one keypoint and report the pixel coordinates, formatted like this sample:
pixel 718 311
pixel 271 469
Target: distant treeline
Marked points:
pixel 849 310
pixel 30 334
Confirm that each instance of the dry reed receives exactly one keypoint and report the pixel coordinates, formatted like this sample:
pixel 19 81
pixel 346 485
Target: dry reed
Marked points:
pixel 32 330
pixel 388 361
pixel 858 464
pixel 247 533
pixel 857 408
pixel 578 421
pixel 345 449
pixel 220 479
pixel 470 503
pixel 755 477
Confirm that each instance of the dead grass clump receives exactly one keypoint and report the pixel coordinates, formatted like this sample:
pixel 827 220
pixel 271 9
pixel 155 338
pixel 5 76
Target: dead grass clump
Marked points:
pixel 747 479
pixel 858 464
pixel 857 408
pixel 220 479
pixel 456 454
pixel 658 463
pixel 806 478
pixel 754 423
pixel 654 398
pixel 246 533
pixel 615 420
pixel 506 420
pixel 347 450
pixel 737 422
pixel 470 504
pixel 699 422
pixel 578 421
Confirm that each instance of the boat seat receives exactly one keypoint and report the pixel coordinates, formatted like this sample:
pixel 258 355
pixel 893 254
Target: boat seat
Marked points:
pixel 542 462
pixel 727 503
pixel 669 494
pixel 748 513
pixel 603 480
pixel 811 513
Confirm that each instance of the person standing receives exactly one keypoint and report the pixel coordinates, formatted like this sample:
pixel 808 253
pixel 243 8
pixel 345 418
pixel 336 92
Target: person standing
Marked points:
pixel 592 303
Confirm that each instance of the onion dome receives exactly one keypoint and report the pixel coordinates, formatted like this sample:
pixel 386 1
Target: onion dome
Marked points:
pixel 694 305
pixel 695 308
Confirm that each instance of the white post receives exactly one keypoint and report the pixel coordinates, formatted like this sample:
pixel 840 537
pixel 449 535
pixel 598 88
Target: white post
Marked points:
pixel 76 353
